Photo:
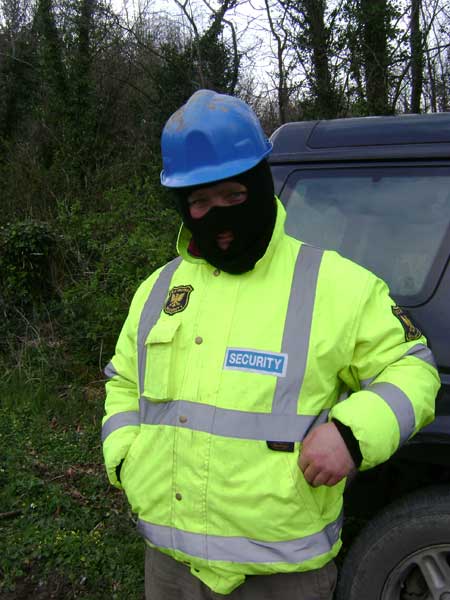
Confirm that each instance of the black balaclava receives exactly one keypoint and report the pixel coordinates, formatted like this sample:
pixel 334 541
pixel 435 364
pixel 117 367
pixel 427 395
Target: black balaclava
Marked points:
pixel 251 222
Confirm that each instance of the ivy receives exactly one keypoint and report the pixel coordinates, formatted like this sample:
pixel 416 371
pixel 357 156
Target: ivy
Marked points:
pixel 26 254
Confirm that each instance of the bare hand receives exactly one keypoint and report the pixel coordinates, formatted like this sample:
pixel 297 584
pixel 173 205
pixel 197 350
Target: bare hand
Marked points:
pixel 324 458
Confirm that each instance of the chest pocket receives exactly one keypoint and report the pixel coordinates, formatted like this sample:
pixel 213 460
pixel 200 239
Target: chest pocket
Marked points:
pixel 160 343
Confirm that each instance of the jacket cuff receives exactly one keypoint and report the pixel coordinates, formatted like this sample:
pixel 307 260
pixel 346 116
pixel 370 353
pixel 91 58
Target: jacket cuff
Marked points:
pixel 350 441
pixel 115 449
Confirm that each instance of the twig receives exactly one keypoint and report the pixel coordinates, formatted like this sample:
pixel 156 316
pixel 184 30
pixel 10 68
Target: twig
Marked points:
pixel 10 514
pixel 98 526
pixel 57 477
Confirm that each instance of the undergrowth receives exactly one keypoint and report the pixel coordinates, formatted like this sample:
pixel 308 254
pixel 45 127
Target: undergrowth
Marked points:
pixel 64 532
pixel 66 285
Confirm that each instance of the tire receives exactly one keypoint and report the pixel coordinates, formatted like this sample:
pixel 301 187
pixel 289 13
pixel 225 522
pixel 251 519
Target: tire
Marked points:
pixel 403 553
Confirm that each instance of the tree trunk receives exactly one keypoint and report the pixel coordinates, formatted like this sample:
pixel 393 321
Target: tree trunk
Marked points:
pixel 416 56
pixel 431 74
pixel 318 35
pixel 374 22
pixel 281 78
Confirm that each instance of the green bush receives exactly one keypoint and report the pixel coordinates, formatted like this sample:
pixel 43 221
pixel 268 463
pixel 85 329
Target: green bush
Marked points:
pixel 26 254
pixel 67 285
pixel 108 252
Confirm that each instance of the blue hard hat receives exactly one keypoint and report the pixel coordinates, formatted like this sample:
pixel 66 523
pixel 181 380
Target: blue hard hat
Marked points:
pixel 211 137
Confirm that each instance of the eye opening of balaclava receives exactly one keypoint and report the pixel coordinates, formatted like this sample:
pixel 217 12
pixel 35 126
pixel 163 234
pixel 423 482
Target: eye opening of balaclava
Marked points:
pixel 251 222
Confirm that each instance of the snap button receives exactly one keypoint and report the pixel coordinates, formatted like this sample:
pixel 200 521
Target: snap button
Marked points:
pixel 182 419
pixel 216 272
pixel 178 496
pixel 198 340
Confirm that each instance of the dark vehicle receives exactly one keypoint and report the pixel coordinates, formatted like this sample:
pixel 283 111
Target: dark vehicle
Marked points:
pixel 377 190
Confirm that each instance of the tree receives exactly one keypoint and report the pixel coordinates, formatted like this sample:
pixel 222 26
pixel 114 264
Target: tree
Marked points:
pixel 304 33
pixel 436 19
pixel 284 65
pixel 318 36
pixel 374 18
pixel 16 68
pixel 49 101
pixel 215 61
pixel 417 59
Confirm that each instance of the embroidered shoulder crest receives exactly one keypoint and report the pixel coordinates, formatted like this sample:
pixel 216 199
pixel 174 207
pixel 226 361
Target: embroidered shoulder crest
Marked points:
pixel 411 331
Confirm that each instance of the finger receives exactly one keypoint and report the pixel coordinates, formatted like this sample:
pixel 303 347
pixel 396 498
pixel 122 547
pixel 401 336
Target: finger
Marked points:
pixel 302 462
pixel 322 479
pixel 334 480
pixel 317 481
pixel 310 473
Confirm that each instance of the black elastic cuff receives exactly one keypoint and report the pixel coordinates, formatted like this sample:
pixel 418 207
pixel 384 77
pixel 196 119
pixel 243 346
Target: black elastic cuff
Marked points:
pixel 118 469
pixel 350 441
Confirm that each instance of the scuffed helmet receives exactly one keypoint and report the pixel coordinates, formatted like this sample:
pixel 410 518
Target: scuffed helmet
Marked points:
pixel 211 137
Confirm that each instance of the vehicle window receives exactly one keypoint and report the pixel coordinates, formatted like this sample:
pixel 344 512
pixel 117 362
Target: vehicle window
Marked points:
pixel 392 221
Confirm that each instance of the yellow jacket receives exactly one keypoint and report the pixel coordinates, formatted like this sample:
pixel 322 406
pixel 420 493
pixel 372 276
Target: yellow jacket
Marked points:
pixel 210 367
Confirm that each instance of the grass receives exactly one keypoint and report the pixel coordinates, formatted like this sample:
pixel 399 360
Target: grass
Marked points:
pixel 64 531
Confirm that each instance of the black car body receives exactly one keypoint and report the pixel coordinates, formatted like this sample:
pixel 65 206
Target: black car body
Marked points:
pixel 377 190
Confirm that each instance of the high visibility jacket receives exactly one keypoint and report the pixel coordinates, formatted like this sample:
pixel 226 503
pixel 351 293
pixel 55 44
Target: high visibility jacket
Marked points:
pixel 215 382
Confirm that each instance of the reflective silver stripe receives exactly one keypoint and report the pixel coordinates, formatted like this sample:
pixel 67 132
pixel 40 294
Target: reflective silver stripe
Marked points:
pixel 150 314
pixel 110 371
pixel 400 404
pixel 229 423
pixel 423 353
pixel 122 419
pixel 419 351
pixel 297 329
pixel 366 382
pixel 241 549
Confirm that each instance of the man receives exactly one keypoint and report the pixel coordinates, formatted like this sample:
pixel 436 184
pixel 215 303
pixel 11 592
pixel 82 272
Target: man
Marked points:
pixel 252 375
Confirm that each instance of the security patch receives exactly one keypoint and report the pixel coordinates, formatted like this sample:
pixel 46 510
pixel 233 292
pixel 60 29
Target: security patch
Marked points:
pixel 411 331
pixel 178 299
pixel 256 361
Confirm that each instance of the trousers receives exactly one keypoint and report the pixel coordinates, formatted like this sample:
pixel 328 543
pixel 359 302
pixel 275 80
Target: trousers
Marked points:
pixel 167 579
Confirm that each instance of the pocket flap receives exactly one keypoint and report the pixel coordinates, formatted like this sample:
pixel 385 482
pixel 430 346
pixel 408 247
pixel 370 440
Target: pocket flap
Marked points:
pixel 163 331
